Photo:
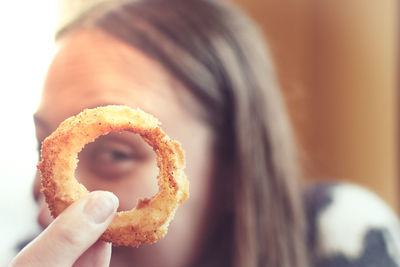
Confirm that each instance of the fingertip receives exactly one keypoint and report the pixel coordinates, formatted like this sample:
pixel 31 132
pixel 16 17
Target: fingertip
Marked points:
pixel 100 206
pixel 112 197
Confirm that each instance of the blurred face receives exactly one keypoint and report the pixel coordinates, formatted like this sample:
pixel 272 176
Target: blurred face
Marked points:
pixel 92 69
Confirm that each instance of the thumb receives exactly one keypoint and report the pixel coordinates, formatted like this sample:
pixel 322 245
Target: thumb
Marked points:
pixel 72 233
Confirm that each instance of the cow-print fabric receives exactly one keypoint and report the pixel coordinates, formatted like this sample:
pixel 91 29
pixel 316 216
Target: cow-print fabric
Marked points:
pixel 350 227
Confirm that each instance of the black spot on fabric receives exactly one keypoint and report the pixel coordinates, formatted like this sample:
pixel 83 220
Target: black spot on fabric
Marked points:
pixel 375 254
pixel 316 199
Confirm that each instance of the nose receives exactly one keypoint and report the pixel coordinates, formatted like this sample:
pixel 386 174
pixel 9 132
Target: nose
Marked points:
pixel 36 186
pixel 44 217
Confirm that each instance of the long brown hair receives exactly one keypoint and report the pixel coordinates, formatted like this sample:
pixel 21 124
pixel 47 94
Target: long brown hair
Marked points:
pixel 219 55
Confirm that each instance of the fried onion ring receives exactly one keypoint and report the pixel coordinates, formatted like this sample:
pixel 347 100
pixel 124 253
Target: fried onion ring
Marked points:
pixel 148 221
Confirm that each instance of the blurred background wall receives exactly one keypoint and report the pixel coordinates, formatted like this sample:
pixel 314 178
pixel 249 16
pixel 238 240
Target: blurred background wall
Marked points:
pixel 26 49
pixel 337 63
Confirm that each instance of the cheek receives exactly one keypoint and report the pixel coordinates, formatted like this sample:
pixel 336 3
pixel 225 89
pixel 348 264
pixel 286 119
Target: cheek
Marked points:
pixel 200 177
pixel 190 227
pixel 129 188
pixel 193 215
pixel 199 167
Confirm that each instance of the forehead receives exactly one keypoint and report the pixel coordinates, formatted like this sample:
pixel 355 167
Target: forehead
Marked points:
pixel 93 69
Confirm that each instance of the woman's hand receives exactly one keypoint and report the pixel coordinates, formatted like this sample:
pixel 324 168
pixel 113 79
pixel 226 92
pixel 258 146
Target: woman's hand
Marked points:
pixel 72 239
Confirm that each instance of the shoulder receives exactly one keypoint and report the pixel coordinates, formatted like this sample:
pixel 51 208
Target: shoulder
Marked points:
pixel 349 226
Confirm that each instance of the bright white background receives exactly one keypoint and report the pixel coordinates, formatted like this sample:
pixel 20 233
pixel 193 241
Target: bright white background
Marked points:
pixel 26 47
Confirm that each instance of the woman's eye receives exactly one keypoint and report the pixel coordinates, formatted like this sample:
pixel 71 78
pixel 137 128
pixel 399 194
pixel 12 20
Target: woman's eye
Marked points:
pixel 114 155
pixel 110 159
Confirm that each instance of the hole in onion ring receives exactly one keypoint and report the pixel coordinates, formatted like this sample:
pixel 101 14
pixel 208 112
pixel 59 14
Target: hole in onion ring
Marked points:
pixel 121 163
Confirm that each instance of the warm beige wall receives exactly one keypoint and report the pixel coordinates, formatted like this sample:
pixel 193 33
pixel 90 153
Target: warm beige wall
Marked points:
pixel 337 64
pixel 355 77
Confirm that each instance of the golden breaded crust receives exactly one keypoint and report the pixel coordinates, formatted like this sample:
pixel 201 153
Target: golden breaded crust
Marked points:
pixel 148 221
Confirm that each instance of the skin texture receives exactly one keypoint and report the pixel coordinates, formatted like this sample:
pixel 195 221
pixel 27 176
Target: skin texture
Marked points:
pixel 92 69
